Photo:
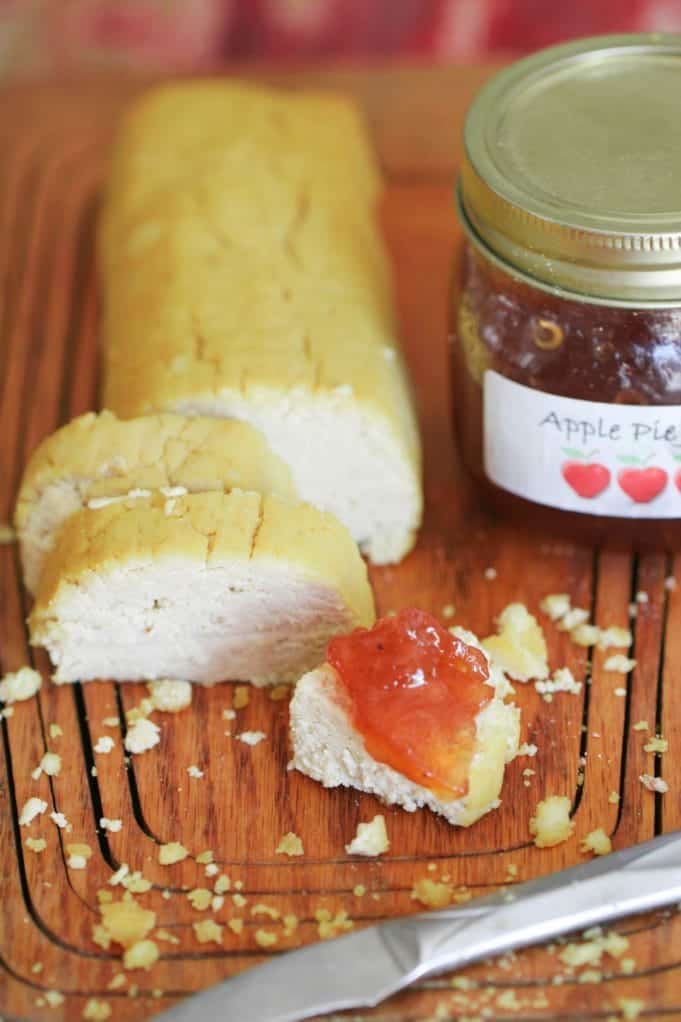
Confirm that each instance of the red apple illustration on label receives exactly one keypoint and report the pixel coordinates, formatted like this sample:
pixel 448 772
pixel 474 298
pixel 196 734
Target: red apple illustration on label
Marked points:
pixel 677 479
pixel 641 482
pixel 587 478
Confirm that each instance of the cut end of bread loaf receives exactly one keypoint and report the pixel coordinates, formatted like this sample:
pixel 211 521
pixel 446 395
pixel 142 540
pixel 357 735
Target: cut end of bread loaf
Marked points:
pixel 229 587
pixel 327 748
pixel 100 457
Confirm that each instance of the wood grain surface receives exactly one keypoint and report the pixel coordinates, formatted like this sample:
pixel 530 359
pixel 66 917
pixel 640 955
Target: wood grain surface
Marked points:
pixel 54 140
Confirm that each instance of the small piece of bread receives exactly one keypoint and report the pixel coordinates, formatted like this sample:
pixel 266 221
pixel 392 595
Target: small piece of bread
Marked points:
pixel 100 458
pixel 327 748
pixel 520 647
pixel 231 586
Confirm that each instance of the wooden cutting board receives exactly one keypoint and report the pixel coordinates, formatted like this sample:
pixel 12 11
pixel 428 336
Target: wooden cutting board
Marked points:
pixel 54 141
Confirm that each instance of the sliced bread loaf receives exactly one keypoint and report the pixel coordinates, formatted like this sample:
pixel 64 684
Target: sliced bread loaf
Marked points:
pixel 244 275
pixel 99 458
pixel 229 586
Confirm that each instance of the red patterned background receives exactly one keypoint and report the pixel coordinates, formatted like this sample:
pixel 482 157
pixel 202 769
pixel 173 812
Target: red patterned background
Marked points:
pixel 43 35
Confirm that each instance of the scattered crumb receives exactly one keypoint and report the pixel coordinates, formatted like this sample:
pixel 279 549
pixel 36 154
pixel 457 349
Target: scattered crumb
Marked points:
pixel 55 732
pixel 236 925
pixel 520 647
pixel 563 680
pixel 96 1011
pixel 613 798
pixel 208 931
pixel 111 722
pixel 585 635
pixel 431 893
pixel 142 735
pixel 54 998
pixel 239 900
pixel 36 844
pixel 615 636
pixel 60 821
pixel 265 910
pixel 32 807
pixel 490 574
pixel 359 890
pixel 37 968
pixel 449 610
pixel 658 745
pixel 229 714
pixel 222 884
pixel 19 685
pixel 204 858
pixel 330 926
pixel 527 749
pixel 265 938
pixel 620 692
pixel 166 935
pixel 642 596
pixel 251 737
pixel 620 663
pixel 118 981
pixel 641 725
pixel 200 898
pixel 631 1007
pixel 627 966
pixel 78 855
pixel 555 605
pixel 212 869
pixel 279 692
pixel 50 764
pixel 597 841
pixel 575 617
pixel 291 845
pixel 670 583
pixel 139 712
pixel 194 771
pixel 216 902
pixel 290 922
pixel 111 825
pixel 120 874
pixel 141 955
pixel 171 853
pixel 104 745
pixel 242 696
pixel 370 839
pixel 126 922
pixel 136 883
pixel 654 783
pixel 551 824
pixel 170 695
pixel 591 951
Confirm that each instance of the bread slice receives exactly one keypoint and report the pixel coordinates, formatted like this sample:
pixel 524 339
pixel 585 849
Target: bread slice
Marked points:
pixel 229 586
pixel 327 748
pixel 244 275
pixel 96 458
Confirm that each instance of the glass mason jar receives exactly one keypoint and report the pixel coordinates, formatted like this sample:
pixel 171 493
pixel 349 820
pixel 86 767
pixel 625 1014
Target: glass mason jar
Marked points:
pixel 566 327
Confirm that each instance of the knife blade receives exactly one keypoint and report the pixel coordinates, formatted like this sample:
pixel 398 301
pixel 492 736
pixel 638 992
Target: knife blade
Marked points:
pixel 361 969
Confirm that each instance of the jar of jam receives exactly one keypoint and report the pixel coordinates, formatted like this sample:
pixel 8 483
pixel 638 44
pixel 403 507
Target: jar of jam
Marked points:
pixel 566 333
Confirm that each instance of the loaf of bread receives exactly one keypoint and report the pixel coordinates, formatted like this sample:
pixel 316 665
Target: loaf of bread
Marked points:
pixel 98 458
pixel 244 276
pixel 327 748
pixel 217 587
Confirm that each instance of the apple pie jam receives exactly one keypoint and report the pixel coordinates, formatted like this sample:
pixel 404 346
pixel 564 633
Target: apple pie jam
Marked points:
pixel 566 327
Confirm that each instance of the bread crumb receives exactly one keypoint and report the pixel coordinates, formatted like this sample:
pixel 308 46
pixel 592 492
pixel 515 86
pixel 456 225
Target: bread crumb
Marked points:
pixel 200 898
pixel 241 697
pixel 50 764
pixel 141 955
pixel 136 883
pixel 203 858
pixel 551 824
pixel 37 968
pixel 591 951
pixel 171 853
pixel 563 680
pixel 575 617
pixel 620 663
pixel 239 900
pixel 229 714
pixel 117 981
pixel 585 635
pixel 265 938
pixel 654 783
pixel 104 745
pixel 36 844
pixel 96 1011
pixel 640 725
pixel 265 910
pixel 55 732
pixel 597 841
pixel 194 771
pixel 642 596
pixel 627 966
pixel 359 890
pixel 216 902
pixel 139 712
pixel 211 869
pixel 519 649
pixel 526 749
pixel 78 854
pixel 449 610
pixel 32 807
pixel 290 922
pixel 290 845
pixel 613 798
pixel 431 893
pixel 615 636
pixel 18 686
pixel 555 605
pixel 166 935
pixel 120 874
pixel 370 839
pixel 658 745
pixel 111 825
pixel 279 692
pixel 620 692
pixel 222 884
pixel 251 737
pixel 236 925
pixel 208 931
pixel 111 722
pixel 670 583
pixel 490 574
pixel 329 926
pixel 60 821
pixel 170 695
pixel 54 998
pixel 126 922
pixel 142 735
pixel 631 1007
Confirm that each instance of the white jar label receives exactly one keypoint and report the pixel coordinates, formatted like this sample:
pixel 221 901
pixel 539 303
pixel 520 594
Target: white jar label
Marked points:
pixel 601 459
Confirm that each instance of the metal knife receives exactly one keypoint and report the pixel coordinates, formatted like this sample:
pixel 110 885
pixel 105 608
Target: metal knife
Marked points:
pixel 361 969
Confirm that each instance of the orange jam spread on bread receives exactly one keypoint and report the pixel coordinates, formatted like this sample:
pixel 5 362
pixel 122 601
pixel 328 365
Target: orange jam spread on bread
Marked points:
pixel 415 692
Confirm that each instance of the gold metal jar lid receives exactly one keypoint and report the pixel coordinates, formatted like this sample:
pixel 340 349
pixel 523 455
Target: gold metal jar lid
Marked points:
pixel 572 168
